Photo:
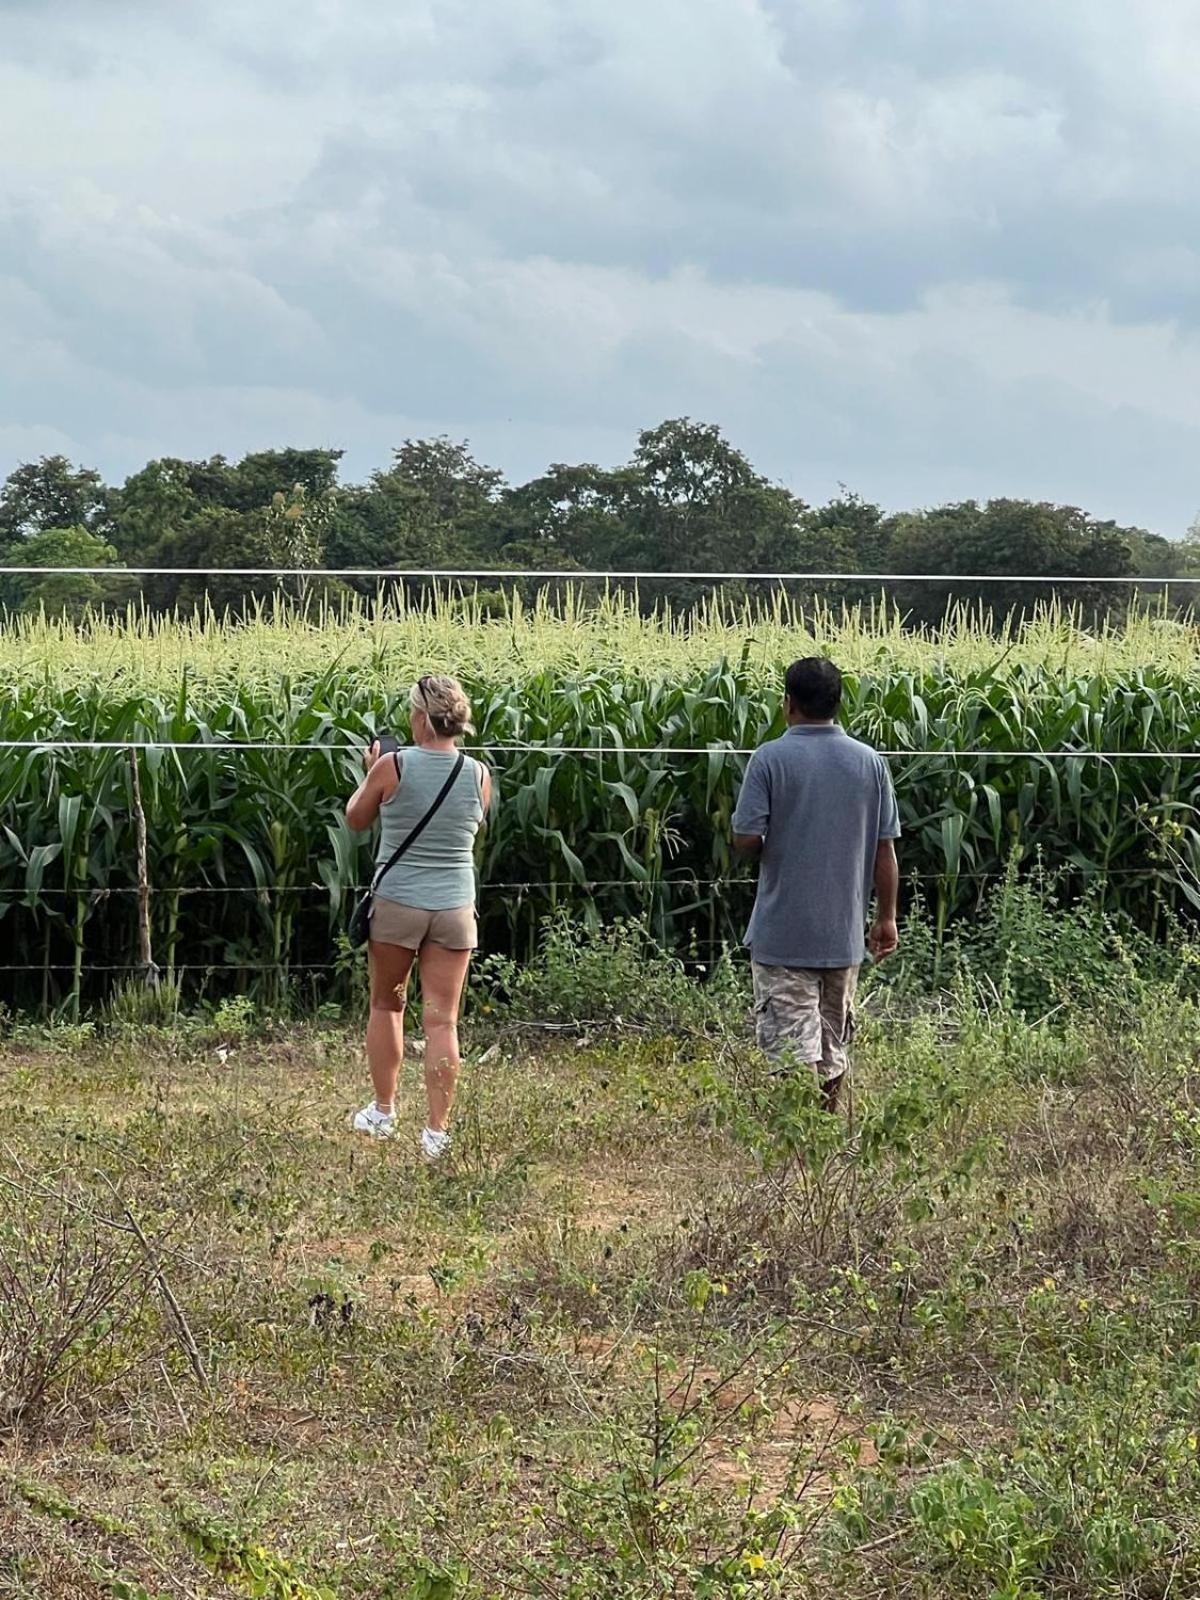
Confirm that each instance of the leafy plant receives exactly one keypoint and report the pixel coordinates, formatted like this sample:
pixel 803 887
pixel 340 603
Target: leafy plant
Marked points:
pixel 249 1568
pixel 617 741
pixel 579 978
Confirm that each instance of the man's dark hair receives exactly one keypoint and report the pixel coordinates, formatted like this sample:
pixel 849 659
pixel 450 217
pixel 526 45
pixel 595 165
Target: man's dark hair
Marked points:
pixel 814 687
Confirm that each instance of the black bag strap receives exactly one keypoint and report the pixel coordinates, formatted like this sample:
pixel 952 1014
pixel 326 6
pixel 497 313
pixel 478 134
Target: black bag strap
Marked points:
pixel 422 825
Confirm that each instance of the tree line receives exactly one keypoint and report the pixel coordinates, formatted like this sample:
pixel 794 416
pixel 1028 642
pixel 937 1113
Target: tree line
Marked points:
pixel 687 500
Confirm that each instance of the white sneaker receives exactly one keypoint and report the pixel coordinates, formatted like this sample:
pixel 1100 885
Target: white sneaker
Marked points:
pixel 434 1145
pixel 379 1124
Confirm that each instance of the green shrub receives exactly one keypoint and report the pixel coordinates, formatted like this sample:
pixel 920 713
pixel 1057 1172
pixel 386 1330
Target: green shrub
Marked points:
pixel 618 975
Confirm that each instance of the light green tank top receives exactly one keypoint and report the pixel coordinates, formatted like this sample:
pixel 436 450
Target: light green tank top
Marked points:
pixel 438 872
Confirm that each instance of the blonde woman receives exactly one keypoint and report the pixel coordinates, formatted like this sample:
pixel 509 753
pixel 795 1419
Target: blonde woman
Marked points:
pixel 423 907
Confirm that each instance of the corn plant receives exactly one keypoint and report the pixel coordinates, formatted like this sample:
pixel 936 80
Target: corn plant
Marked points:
pixel 252 868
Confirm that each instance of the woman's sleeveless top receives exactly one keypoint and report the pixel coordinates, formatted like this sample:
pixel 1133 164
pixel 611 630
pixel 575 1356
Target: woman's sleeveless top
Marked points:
pixel 438 872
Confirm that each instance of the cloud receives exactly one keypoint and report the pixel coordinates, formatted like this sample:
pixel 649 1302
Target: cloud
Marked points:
pixel 926 250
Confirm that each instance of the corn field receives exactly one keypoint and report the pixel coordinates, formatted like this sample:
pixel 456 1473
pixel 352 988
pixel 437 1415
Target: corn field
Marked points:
pixel 250 870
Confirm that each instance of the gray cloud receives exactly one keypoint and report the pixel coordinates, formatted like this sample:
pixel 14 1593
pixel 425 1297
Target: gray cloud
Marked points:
pixel 928 250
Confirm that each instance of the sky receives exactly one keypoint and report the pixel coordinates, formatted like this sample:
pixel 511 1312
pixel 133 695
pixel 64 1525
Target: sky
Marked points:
pixel 927 249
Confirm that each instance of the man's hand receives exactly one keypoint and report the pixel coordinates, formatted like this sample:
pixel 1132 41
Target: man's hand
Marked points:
pixel 884 940
pixel 885 936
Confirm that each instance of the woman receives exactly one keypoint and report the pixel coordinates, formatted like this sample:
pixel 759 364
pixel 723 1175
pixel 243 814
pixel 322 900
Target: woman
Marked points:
pixel 424 906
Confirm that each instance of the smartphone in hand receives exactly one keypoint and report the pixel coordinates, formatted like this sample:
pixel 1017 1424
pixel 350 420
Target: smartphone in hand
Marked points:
pixel 388 743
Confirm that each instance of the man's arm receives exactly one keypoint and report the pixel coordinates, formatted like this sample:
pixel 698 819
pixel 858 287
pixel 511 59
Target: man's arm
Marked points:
pixel 885 936
pixel 753 814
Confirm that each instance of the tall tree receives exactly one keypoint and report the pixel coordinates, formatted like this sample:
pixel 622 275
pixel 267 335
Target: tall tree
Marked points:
pixel 47 494
pixel 847 534
pixel 273 508
pixel 694 501
pixel 158 501
pixel 71 594
pixel 1014 538
pixel 570 516
pixel 435 506
pixel 259 477
pixel 213 538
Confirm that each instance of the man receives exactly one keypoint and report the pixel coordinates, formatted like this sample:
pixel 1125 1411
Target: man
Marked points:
pixel 818 811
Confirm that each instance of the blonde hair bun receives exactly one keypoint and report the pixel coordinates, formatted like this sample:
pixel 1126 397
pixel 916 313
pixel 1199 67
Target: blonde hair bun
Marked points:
pixel 444 702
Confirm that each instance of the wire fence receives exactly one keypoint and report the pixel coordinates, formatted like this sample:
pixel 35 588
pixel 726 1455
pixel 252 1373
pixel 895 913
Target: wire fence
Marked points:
pixel 598 752
pixel 286 965
pixel 586 885
pixel 541 752
pixel 602 575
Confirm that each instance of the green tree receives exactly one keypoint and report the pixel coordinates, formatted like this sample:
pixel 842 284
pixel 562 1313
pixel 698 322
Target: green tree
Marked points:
pixel 210 539
pixel 688 500
pixel 568 517
pixel 1008 538
pixel 1181 556
pixel 260 477
pixel 848 534
pixel 695 501
pixel 436 506
pixel 153 504
pixel 1156 557
pixel 50 494
pixel 296 527
pixel 72 594
pixel 274 508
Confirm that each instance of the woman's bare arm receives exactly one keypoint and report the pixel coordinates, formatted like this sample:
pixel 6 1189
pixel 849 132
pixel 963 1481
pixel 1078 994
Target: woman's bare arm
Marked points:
pixel 363 806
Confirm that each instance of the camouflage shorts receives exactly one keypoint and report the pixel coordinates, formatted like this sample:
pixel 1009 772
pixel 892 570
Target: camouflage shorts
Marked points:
pixel 805 1015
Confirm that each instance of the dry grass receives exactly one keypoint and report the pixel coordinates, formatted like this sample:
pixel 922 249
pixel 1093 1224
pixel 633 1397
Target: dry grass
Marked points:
pixel 617 1304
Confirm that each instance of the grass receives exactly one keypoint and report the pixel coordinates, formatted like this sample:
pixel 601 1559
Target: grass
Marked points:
pixel 660 1329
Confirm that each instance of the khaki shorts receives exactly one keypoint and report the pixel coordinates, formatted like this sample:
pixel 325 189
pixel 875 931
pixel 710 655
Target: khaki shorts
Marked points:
pixel 392 923
pixel 805 1015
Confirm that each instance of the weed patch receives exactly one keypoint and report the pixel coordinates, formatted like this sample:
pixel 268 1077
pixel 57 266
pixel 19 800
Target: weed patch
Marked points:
pixel 661 1328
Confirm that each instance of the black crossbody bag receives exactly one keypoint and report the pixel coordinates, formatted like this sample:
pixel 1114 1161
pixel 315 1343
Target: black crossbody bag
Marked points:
pixel 360 917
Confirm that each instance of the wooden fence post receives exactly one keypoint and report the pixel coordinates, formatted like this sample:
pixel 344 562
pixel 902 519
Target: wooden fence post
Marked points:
pixel 146 966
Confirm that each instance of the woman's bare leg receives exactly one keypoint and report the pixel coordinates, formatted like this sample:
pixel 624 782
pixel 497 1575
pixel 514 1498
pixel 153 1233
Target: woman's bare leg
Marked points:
pixel 390 965
pixel 443 974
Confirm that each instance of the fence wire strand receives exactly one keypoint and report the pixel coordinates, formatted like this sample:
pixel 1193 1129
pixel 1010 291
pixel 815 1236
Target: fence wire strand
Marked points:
pixel 596 575
pixel 601 752
pixel 588 885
